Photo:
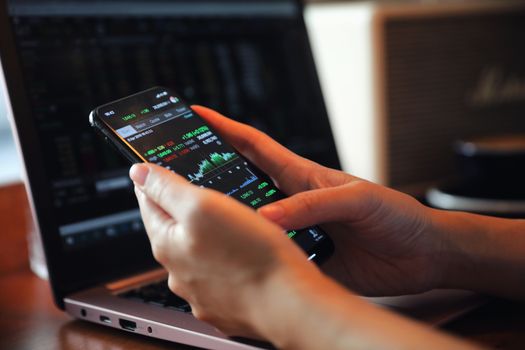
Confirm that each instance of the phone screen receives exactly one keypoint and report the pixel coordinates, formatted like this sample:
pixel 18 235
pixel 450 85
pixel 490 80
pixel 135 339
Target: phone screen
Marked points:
pixel 156 126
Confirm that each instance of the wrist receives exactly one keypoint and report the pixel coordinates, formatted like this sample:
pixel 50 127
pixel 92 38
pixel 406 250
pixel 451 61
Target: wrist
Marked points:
pixel 299 308
pixel 277 303
pixel 298 311
pixel 480 253
pixel 456 258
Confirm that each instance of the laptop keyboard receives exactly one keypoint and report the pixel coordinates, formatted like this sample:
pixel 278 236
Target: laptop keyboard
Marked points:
pixel 158 294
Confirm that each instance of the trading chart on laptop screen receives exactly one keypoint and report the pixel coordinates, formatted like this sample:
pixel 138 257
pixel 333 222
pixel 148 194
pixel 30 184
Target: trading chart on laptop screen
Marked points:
pixel 248 59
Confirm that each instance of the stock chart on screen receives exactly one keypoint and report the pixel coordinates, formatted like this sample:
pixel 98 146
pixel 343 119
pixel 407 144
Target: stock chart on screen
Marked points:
pixel 168 133
pixel 159 128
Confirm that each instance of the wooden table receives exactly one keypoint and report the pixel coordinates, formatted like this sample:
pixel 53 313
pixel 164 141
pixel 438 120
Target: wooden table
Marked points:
pixel 29 319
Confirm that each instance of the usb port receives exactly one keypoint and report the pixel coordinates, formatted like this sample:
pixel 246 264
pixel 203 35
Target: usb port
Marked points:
pixel 104 319
pixel 127 325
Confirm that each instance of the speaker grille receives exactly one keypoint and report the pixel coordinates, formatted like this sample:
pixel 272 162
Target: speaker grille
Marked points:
pixel 435 71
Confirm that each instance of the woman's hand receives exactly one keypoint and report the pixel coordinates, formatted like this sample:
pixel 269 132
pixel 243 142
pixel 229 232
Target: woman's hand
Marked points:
pixel 243 275
pixel 221 256
pixel 240 272
pixel 385 240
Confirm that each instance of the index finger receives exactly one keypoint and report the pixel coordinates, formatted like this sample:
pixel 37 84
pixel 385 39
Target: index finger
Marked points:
pixel 277 161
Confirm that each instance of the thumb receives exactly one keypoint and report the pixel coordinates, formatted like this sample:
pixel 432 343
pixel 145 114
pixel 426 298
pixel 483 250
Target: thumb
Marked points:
pixel 350 202
pixel 166 189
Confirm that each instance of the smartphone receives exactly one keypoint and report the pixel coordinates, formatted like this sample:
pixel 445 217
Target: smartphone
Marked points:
pixel 157 126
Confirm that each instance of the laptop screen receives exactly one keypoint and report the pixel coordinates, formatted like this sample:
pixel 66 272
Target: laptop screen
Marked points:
pixel 250 60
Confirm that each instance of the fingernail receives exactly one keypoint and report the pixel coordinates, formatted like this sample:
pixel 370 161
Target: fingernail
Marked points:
pixel 272 212
pixel 139 173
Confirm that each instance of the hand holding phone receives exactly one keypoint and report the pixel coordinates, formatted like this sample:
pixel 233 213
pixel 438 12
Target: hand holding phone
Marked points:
pixel 156 126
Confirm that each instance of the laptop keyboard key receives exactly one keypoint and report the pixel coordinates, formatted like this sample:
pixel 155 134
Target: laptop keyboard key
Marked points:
pixel 158 294
pixel 175 301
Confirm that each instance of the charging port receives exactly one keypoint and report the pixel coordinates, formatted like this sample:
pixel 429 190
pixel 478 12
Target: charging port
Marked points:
pixel 105 319
pixel 127 325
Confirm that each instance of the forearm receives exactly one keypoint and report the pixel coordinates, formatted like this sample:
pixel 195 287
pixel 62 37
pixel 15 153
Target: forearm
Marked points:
pixel 483 254
pixel 316 313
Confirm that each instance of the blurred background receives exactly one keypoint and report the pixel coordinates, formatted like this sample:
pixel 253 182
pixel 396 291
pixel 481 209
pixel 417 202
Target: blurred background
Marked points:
pixel 10 169
pixel 419 95
pixel 426 96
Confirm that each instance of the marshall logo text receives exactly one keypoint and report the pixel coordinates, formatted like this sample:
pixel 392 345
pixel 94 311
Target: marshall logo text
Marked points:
pixel 495 88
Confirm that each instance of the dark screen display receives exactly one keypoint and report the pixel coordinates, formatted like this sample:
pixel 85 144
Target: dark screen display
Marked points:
pixel 159 128
pixel 249 59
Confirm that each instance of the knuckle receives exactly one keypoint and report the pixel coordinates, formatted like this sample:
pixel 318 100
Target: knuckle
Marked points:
pixel 368 195
pixel 179 287
pixel 161 190
pixel 160 246
pixel 173 284
pixel 159 185
pixel 204 205
pixel 185 239
pixel 255 137
pixel 309 201
pixel 191 243
pixel 364 185
pixel 159 251
pixel 202 315
pixel 363 189
pixel 154 227
pixel 193 246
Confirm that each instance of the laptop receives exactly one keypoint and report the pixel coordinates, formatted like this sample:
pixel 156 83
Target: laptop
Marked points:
pixel 249 59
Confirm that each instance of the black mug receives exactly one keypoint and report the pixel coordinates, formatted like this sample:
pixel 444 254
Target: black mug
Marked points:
pixel 492 167
pixel 490 179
